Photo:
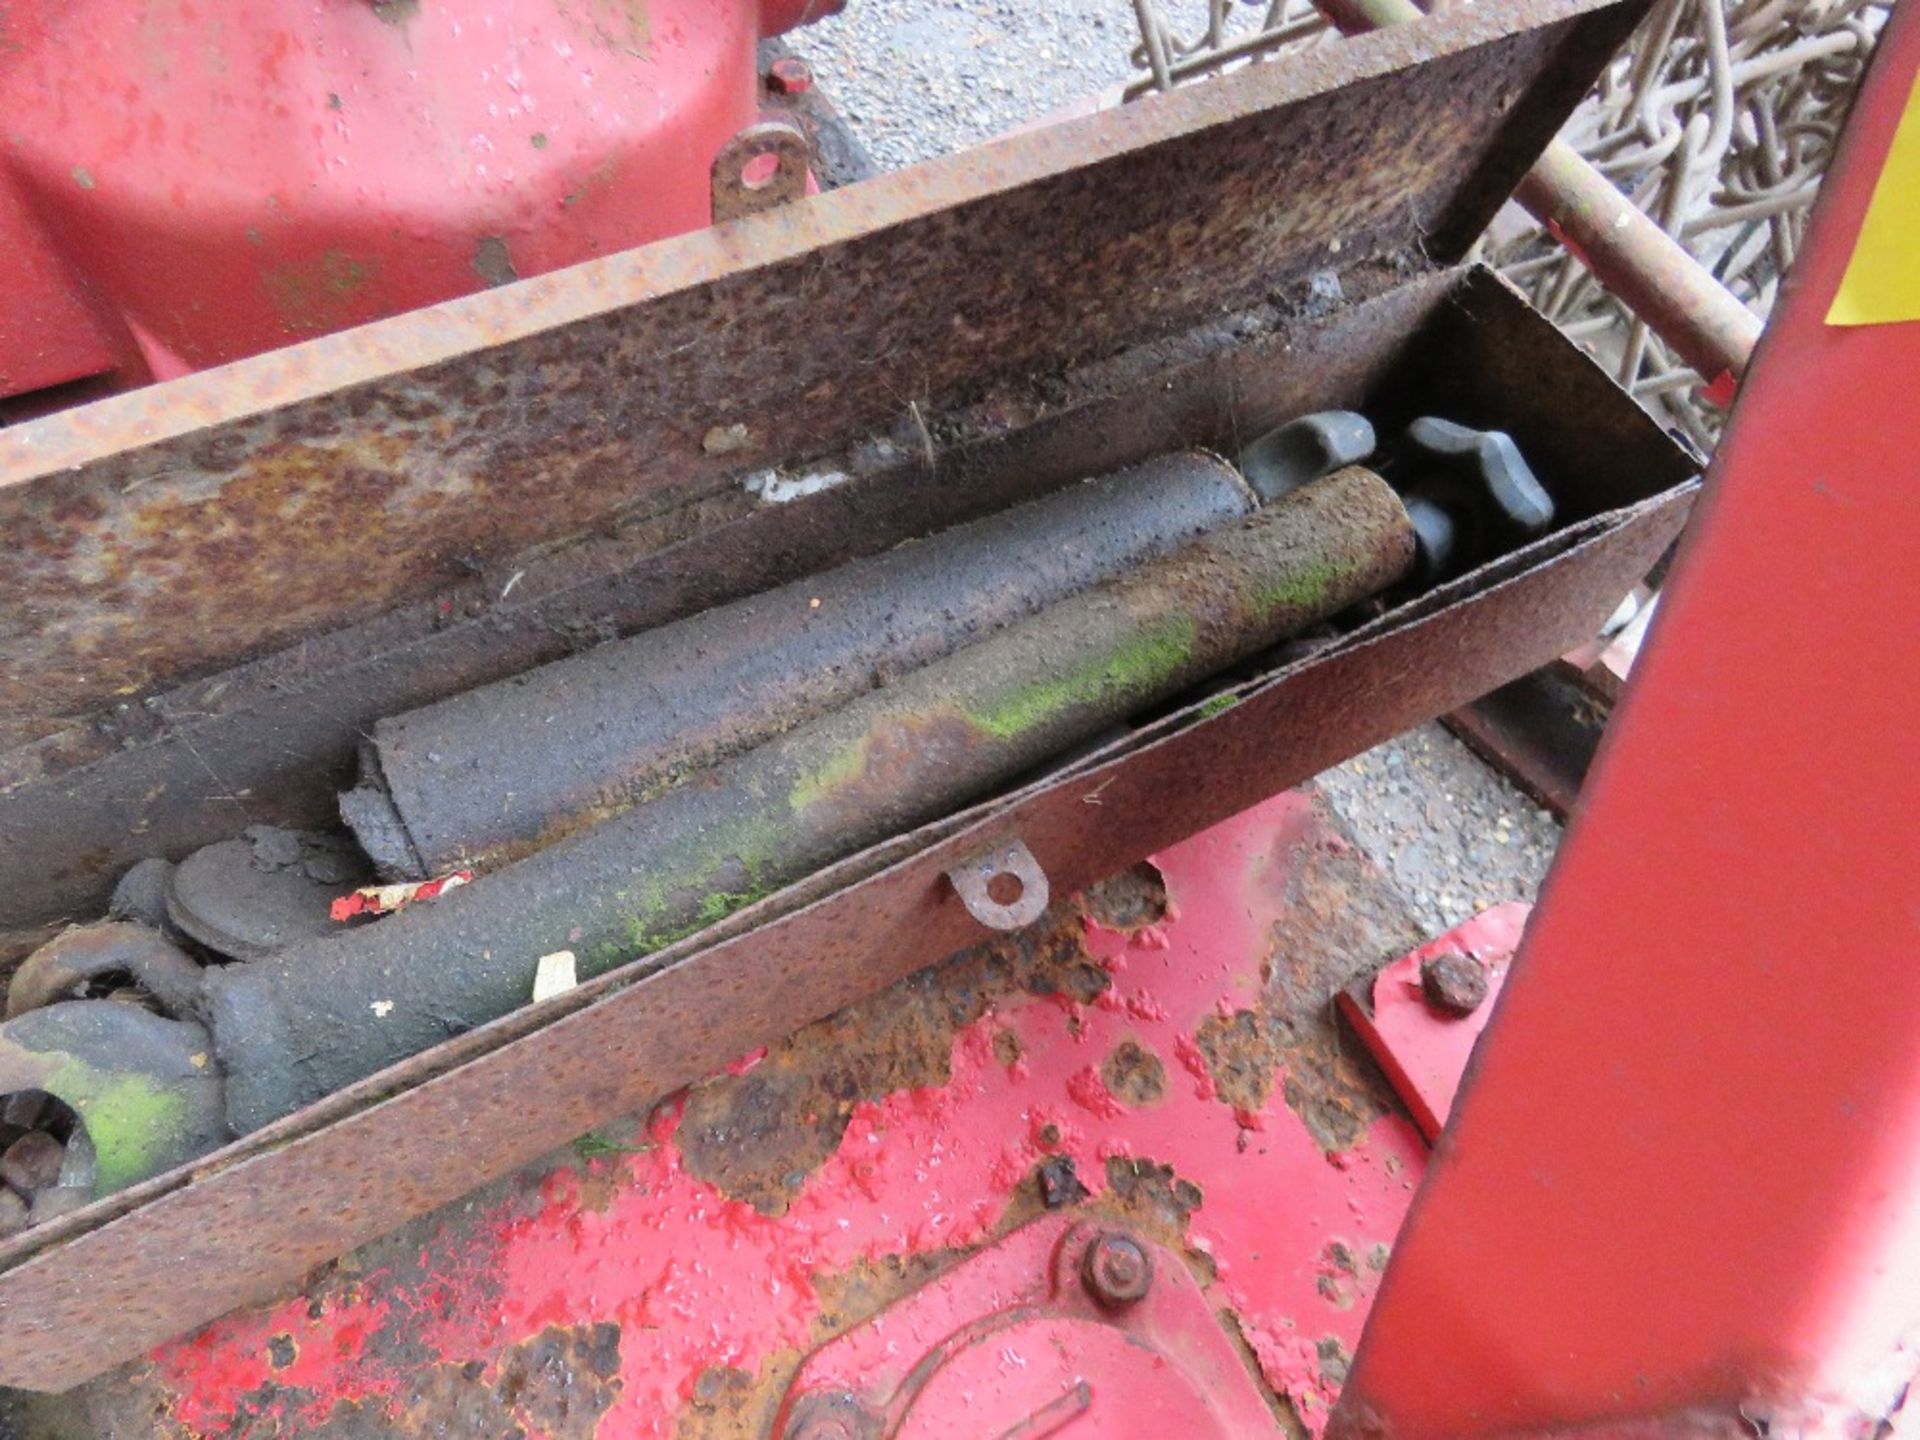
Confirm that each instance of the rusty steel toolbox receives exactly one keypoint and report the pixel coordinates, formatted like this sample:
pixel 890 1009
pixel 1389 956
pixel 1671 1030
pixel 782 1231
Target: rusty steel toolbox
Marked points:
pixel 210 589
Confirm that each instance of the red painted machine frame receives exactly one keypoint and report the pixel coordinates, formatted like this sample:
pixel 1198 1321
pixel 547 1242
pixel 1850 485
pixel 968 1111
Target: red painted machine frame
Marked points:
pixel 1681 1193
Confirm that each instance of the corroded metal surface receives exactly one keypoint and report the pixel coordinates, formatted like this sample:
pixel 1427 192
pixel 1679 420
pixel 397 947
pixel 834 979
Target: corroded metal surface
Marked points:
pixel 740 190
pixel 1705 323
pixel 270 741
pixel 332 480
pixel 1158 1055
pixel 293 1027
pixel 1003 888
pixel 265 1209
pixel 501 770
pixel 87 958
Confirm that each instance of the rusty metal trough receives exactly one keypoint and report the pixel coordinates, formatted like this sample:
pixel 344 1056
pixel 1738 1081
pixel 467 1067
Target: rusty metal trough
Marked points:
pixel 210 588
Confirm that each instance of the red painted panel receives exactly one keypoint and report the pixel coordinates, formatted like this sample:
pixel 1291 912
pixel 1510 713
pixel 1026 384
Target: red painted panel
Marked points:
pixel 1681 1190
pixel 1291 1236
pixel 221 177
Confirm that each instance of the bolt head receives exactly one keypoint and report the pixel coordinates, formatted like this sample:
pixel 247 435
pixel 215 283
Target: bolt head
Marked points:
pixel 1454 984
pixel 831 1415
pixel 1116 1270
pixel 789 76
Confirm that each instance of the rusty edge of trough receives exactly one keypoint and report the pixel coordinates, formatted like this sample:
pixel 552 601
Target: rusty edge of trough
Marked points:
pixel 499 316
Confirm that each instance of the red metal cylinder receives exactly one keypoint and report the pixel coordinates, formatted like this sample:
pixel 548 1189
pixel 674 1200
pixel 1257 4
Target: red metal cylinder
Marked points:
pixel 186 182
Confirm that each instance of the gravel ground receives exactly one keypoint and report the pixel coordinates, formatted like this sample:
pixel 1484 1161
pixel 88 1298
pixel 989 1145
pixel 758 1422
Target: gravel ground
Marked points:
pixel 1454 836
pixel 919 78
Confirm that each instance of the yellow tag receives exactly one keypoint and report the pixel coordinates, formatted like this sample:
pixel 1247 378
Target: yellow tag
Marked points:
pixel 1882 283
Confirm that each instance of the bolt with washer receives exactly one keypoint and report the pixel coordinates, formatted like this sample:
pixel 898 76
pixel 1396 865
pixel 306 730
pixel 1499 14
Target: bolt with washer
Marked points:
pixel 1117 1270
pixel 831 1415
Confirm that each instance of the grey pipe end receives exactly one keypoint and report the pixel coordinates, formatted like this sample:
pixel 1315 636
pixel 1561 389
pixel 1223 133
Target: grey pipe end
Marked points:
pixel 376 822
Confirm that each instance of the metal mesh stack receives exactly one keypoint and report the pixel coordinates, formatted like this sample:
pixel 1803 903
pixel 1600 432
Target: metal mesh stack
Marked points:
pixel 1718 119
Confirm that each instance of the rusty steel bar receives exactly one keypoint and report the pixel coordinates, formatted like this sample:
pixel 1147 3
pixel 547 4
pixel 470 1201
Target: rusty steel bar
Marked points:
pixel 1646 267
pixel 479 777
pixel 1633 257
pixel 292 1028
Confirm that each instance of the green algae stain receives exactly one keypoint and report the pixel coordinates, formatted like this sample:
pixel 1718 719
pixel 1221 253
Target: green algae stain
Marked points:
pixel 1135 667
pixel 728 869
pixel 136 1124
pixel 1304 588
pixel 842 770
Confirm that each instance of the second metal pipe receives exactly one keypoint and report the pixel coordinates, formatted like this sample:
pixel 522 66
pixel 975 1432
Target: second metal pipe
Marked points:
pixel 502 770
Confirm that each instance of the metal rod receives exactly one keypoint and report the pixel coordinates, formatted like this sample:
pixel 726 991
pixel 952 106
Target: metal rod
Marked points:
pixel 1642 264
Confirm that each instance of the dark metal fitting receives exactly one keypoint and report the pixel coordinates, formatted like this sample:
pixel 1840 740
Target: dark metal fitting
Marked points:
pixel 145 1087
pixel 1454 984
pixel 79 961
pixel 1305 450
pixel 1471 496
pixel 831 1415
pixel 1117 1270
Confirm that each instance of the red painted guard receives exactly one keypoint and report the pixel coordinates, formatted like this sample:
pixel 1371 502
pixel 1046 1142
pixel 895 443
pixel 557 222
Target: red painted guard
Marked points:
pixel 1681 1192
pixel 184 184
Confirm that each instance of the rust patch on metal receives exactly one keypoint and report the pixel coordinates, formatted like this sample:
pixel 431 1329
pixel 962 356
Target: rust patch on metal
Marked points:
pixel 1241 1050
pixel 1149 1196
pixel 560 1382
pixel 729 1403
pixel 1129 901
pixel 1134 1074
pixel 1339 914
pixel 555 1385
pixel 1006 1048
pixel 865 1289
pixel 755 1137
pixel 1340 922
